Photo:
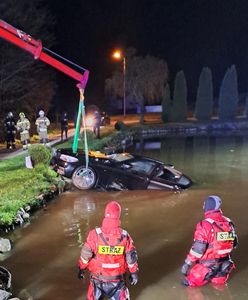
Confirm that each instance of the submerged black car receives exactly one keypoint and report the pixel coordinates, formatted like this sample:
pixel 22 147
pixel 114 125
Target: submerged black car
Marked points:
pixel 118 171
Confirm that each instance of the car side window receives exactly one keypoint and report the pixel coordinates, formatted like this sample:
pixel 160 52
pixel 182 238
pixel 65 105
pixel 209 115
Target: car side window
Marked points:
pixel 143 166
pixel 166 174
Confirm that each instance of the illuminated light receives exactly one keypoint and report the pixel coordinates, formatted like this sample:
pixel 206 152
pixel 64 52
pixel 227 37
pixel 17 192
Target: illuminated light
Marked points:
pixel 117 54
pixel 89 121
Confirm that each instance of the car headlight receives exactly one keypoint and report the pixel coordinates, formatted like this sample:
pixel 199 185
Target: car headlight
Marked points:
pixel 68 158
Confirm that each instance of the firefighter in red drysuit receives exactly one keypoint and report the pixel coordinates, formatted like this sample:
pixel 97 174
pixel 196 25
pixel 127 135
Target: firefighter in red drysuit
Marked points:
pixel 108 253
pixel 209 258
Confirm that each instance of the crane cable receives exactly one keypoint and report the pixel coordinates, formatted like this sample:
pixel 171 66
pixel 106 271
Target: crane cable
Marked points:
pixel 81 111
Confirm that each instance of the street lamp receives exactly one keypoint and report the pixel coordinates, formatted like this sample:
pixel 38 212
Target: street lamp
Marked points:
pixel 119 55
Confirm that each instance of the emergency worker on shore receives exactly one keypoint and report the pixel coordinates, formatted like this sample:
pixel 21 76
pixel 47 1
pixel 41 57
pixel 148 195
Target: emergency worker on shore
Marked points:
pixel 23 126
pixel 108 254
pixel 10 130
pixel 209 258
pixel 64 126
pixel 42 123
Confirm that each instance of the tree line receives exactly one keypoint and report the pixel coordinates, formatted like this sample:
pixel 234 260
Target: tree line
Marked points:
pixel 175 108
pixel 147 83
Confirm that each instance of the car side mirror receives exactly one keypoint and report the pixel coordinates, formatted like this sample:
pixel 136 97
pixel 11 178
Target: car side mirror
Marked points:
pixel 126 166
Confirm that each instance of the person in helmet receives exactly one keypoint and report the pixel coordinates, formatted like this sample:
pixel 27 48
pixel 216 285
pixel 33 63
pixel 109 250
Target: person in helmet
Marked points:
pixel 42 123
pixel 209 259
pixel 23 126
pixel 108 254
pixel 10 130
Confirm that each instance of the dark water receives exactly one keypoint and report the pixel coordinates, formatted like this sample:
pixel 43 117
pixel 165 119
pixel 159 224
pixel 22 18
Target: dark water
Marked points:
pixel 44 257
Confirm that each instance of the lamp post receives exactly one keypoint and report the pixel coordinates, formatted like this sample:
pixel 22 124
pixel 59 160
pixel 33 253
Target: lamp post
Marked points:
pixel 119 55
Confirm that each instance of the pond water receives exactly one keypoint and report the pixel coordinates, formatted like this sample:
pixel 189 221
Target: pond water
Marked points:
pixel 44 258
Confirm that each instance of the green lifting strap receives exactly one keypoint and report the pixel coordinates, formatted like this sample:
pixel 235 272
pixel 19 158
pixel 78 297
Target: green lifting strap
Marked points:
pixel 77 130
pixel 81 111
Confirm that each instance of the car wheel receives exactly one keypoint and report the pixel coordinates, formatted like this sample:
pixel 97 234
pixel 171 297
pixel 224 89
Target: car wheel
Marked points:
pixel 84 179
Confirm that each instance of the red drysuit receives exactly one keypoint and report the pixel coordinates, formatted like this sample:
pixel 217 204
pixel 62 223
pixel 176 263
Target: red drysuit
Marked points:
pixel 108 253
pixel 214 240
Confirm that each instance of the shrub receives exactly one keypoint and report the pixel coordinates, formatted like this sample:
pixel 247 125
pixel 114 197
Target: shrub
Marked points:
pixel 119 125
pixel 229 97
pixel 179 106
pixel 204 99
pixel 40 154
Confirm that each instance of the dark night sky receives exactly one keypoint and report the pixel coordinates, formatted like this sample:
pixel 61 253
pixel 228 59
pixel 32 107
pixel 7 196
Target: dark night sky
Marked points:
pixel 188 34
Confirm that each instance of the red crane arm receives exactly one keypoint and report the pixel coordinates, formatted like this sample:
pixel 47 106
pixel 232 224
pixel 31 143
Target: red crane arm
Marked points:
pixel 27 43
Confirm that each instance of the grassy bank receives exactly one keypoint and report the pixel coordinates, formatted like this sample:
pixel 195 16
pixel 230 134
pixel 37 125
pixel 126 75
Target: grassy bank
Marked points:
pixel 20 186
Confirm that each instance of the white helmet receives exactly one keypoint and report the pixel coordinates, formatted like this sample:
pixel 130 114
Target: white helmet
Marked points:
pixel 41 113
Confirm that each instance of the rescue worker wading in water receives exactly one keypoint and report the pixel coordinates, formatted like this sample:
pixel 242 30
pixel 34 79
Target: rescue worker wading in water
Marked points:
pixel 108 253
pixel 209 258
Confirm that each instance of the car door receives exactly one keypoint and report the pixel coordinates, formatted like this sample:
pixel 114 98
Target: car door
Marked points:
pixel 120 176
pixel 132 179
pixel 164 177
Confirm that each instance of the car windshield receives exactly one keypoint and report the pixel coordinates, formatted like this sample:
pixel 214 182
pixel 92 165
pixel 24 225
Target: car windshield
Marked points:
pixel 119 157
pixel 142 165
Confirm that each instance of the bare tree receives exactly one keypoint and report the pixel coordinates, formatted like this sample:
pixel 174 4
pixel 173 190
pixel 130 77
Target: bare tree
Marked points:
pixel 145 80
pixel 25 84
